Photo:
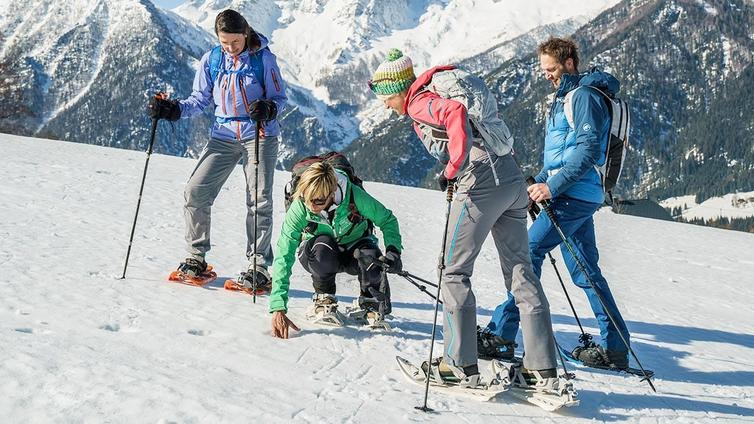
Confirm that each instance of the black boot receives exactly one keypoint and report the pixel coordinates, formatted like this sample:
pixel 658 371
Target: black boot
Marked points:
pixel 490 346
pixel 596 356
pixel 192 267
pixel 264 282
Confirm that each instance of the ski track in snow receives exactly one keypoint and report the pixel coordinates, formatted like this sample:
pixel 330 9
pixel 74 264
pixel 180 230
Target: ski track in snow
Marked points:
pixel 79 344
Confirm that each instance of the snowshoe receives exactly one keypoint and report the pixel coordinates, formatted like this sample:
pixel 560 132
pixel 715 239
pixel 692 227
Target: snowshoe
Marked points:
pixel 491 346
pixel 606 365
pixel 245 282
pixel 193 272
pixel 366 311
pixel 324 311
pixel 452 380
pixel 541 388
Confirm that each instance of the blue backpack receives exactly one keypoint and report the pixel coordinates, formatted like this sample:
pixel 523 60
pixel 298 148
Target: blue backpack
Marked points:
pixel 216 67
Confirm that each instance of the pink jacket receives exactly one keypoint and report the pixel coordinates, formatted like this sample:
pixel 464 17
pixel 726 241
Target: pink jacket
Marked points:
pixel 442 117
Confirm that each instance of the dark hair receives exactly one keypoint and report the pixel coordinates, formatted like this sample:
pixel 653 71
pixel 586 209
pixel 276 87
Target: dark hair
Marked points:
pixel 561 49
pixel 233 22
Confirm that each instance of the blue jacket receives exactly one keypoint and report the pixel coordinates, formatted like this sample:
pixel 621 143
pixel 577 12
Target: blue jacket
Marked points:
pixel 570 154
pixel 228 98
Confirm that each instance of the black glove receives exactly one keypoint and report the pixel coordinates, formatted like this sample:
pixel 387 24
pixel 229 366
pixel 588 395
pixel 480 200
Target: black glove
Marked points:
pixel 443 181
pixel 393 260
pixel 263 110
pixel 160 107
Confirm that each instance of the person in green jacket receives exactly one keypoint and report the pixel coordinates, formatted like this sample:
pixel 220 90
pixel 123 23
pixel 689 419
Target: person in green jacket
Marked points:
pixel 333 218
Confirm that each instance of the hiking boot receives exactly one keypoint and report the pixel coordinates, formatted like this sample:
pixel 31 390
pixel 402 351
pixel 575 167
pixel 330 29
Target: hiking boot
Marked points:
pixel 596 356
pixel 368 304
pixel 618 359
pixel 264 282
pixel 368 311
pixel 490 346
pixel 325 310
pixel 192 267
pixel 546 381
pixel 448 374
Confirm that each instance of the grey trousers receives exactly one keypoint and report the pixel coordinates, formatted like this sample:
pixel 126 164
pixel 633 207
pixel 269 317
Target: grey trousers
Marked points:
pixel 481 207
pixel 215 165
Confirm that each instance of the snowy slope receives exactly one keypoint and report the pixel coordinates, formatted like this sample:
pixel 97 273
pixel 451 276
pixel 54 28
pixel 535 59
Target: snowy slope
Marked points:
pixel 734 205
pixel 78 344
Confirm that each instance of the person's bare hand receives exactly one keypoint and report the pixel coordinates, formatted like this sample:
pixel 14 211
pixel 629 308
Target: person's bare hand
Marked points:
pixel 539 192
pixel 280 324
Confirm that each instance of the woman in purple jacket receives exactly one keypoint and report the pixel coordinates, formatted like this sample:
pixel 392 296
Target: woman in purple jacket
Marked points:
pixel 241 79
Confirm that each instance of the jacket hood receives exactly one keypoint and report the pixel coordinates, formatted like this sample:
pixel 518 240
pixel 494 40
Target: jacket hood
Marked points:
pixel 263 41
pixel 593 78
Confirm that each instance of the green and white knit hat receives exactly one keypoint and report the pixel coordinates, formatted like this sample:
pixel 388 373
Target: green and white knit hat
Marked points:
pixel 394 75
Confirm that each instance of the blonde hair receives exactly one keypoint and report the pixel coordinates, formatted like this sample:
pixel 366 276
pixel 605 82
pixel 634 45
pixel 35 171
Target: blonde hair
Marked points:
pixel 317 182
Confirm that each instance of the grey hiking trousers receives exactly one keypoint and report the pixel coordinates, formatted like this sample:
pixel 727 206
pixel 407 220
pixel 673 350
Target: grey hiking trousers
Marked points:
pixel 216 162
pixel 481 207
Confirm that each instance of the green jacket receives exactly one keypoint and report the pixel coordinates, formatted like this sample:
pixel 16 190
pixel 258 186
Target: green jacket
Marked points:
pixel 298 217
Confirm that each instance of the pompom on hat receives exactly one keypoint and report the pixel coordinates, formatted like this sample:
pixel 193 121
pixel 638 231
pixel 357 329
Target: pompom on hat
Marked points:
pixel 394 75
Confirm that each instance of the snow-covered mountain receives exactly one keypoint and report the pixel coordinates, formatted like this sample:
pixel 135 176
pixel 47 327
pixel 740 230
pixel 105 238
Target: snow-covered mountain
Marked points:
pixel 321 42
pixel 82 71
pixel 80 345
pixel 686 68
pixel 328 49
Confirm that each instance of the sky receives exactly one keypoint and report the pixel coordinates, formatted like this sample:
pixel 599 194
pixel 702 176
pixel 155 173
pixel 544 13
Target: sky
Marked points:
pixel 167 4
pixel 79 344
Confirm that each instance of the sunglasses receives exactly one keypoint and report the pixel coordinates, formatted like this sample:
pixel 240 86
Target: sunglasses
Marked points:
pixel 320 202
pixel 371 83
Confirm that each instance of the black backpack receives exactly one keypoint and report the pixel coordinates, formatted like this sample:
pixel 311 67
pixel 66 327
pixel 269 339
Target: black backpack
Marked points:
pixel 338 161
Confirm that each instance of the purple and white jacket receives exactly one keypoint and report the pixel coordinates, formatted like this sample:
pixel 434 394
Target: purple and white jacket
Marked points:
pixel 232 92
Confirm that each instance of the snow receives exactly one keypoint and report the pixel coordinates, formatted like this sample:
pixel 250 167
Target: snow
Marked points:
pixel 707 7
pixel 80 345
pixel 727 59
pixel 732 205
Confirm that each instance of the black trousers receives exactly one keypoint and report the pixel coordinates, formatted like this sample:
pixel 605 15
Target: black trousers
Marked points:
pixel 323 258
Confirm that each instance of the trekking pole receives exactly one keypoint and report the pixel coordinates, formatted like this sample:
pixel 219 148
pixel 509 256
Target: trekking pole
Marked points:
pixel 585 339
pixel 407 275
pixel 567 375
pixel 546 206
pixel 421 287
pixel 141 190
pixel 441 267
pixel 256 207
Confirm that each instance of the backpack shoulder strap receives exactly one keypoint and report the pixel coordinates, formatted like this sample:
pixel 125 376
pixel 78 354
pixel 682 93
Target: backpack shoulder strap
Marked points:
pixel 256 61
pixel 215 62
pixel 568 103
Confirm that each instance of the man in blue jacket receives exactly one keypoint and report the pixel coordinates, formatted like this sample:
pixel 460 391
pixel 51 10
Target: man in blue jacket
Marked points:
pixel 571 181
